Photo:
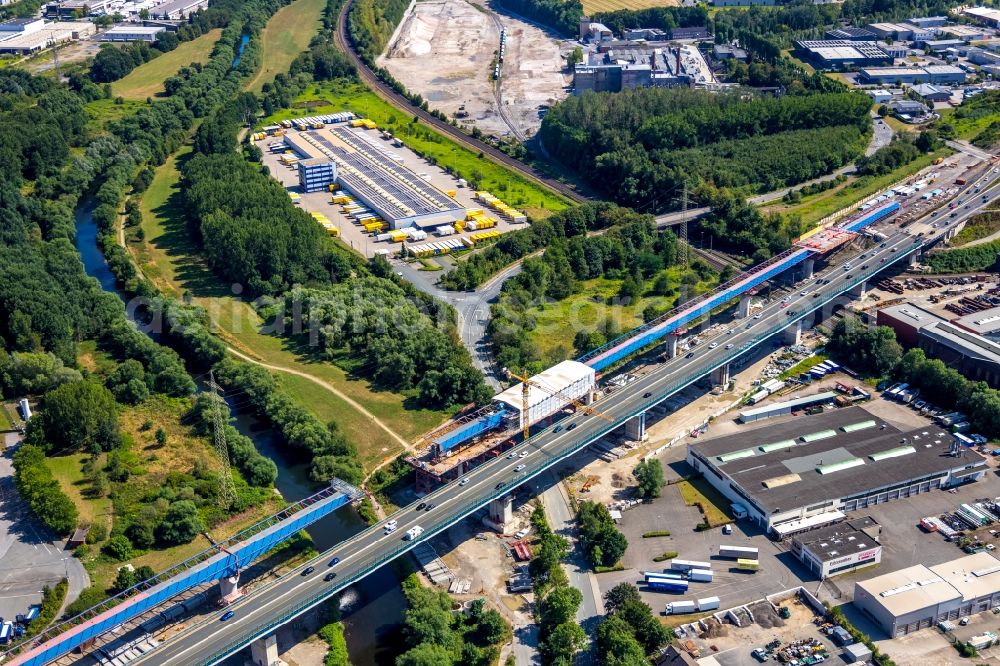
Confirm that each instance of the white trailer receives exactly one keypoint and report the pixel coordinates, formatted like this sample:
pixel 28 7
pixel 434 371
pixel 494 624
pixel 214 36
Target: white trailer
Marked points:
pixel 678 607
pixel 708 603
pixel 738 552
pixel 700 575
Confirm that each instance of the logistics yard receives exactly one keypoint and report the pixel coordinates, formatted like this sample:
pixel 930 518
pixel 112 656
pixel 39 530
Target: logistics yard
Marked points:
pixel 382 193
pixel 445 49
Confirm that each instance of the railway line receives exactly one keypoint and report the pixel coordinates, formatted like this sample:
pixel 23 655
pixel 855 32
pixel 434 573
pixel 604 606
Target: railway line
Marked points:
pixel 401 103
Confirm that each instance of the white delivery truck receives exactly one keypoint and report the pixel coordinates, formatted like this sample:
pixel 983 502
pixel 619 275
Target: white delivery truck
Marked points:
pixel 413 532
pixel 678 607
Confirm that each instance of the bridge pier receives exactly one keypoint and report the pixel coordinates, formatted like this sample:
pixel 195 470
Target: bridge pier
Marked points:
pixel 501 513
pixel 859 290
pixel 744 309
pixel 670 346
pixel 229 588
pixel 807 268
pixel 635 428
pixel 720 376
pixel 792 335
pixel 264 651
pixel 913 259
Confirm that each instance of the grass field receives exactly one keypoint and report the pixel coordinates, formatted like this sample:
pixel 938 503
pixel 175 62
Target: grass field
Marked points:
pixel 102 111
pixel 68 471
pixel 147 80
pixel 286 35
pixel 978 227
pixel 536 200
pixel 814 208
pixel 6 420
pixel 558 323
pixel 698 492
pixel 594 6
pixel 805 365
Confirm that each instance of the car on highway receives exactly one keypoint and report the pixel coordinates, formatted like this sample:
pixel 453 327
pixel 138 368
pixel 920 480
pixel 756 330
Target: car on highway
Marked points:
pixel 646 394
pixel 690 355
pixel 802 293
pixel 334 562
pixel 791 313
pixel 864 267
pixel 430 506
pixel 392 523
pixel 330 576
pixel 520 467
pixel 420 507
pixel 513 454
pixel 758 316
pixel 729 346
pixel 523 454
pixel 729 331
pixel 500 485
pixel 558 428
pixel 570 427
pixel 307 571
pixel 713 345
pixel 463 482
pixel 785 304
pixel 228 615
pixel 816 293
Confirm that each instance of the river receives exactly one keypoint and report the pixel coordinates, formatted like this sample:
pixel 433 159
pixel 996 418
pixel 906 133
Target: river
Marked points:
pixel 372 609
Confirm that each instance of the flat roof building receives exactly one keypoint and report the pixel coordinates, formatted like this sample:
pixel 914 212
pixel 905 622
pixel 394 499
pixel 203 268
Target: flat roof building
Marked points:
pixel 132 33
pixel 177 9
pixel 918 597
pixel 851 35
pixel 842 460
pixel 891 31
pixel 49 35
pixel 985 323
pixel 839 548
pixel 372 174
pixel 786 407
pixel 967 33
pixel 928 21
pixel 938 74
pixel 618 66
pixel 975 356
pixel 842 54
pixel 74 8
pixel 880 95
pixel 983 15
pixel 20 26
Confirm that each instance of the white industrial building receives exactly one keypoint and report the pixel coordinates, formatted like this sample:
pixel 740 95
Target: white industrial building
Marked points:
pixel 46 35
pixel 132 33
pixel 563 383
pixel 809 471
pixel 919 596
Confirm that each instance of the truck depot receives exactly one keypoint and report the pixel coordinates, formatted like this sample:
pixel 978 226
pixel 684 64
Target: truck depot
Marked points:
pixel 806 472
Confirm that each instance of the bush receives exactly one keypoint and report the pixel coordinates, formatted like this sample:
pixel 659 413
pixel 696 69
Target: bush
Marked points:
pixel 118 547
pixel 656 533
pixel 52 601
pixel 41 491
pixel 669 555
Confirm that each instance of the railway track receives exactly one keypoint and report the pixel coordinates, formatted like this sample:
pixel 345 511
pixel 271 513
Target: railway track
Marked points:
pixel 402 104
pixel 498 89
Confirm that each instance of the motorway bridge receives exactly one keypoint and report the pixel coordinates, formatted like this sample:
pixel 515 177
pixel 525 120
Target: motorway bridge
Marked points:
pixel 259 613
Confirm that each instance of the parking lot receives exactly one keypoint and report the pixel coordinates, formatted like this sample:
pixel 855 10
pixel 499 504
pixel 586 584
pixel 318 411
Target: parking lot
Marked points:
pixel 354 235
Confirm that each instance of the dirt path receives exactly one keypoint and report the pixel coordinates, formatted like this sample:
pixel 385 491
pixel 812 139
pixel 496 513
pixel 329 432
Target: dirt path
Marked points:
pixel 329 387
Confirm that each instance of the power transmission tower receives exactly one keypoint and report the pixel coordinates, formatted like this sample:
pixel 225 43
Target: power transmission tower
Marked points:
pixel 227 493
pixel 685 258
pixel 55 54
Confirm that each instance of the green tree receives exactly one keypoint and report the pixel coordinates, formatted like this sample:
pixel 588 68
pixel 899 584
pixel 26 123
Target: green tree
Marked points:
pixel 649 475
pixel 561 605
pixel 562 642
pixel 119 548
pixel 426 654
pixel 619 595
pixel 80 415
pixel 616 643
pixel 181 524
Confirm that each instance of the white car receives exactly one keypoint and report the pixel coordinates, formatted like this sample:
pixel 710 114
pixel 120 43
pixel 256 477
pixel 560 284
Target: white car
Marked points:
pixel 523 454
pixel 729 346
pixel 511 455
pixel 520 467
pixel 391 524
pixel 758 316
pixel 713 345
pixel 463 482
pixel 389 529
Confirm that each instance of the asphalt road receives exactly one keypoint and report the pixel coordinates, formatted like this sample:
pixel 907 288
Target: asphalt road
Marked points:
pixel 255 614
pixel 370 548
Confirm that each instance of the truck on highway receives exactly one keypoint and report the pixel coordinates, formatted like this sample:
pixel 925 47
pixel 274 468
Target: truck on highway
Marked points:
pixel 413 533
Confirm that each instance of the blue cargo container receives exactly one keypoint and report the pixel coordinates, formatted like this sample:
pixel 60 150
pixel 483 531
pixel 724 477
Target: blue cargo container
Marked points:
pixel 667 585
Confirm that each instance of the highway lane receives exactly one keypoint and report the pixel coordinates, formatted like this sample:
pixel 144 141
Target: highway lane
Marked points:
pixel 371 548
pixel 259 612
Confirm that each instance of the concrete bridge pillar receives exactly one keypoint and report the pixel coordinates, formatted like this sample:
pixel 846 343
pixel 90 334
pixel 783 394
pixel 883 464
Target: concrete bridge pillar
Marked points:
pixel 807 268
pixel 670 346
pixel 913 259
pixel 859 290
pixel 264 651
pixel 744 309
pixel 229 588
pixel 792 335
pixel 635 428
pixel 501 514
pixel 720 375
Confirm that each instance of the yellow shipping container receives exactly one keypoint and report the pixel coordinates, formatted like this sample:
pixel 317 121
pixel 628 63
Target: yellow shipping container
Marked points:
pixel 334 187
pixel 333 231
pixel 452 193
pixel 472 212
pixel 460 225
pixel 370 124
pixel 357 122
pixel 397 236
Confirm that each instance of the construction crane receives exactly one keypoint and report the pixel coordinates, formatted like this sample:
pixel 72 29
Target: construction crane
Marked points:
pixel 526 383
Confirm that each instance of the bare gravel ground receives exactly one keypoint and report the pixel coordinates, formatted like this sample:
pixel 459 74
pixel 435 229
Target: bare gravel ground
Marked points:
pixel 445 49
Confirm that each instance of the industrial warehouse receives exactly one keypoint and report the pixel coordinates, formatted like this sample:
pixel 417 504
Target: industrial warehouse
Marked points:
pixel 370 172
pixel 807 471
pixel 920 596
pixel 454 450
pixel 840 548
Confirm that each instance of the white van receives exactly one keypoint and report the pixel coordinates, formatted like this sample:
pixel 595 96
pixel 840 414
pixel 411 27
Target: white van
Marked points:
pixel 413 532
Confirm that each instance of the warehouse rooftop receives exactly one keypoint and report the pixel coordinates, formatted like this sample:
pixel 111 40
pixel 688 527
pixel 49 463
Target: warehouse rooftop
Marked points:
pixel 837 540
pixel 837 454
pixel 918 587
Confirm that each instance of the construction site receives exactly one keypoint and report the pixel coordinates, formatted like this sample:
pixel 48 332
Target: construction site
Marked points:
pixel 448 52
